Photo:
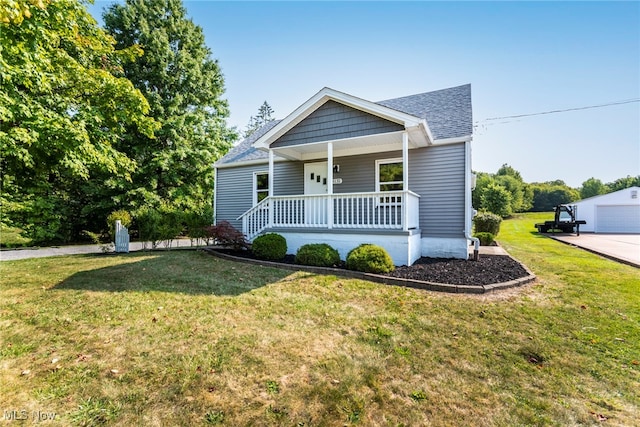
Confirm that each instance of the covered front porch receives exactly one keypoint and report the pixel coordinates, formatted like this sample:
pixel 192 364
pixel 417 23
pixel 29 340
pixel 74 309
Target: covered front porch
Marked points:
pixel 373 211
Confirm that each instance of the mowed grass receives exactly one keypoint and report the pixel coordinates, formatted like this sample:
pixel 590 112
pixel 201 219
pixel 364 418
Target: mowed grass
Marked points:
pixel 183 338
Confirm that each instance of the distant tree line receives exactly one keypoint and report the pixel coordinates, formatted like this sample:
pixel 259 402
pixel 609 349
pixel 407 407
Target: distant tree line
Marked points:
pixel 505 193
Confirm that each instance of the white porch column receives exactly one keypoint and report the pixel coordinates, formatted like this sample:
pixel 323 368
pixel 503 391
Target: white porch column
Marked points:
pixel 405 179
pixel 270 187
pixel 329 205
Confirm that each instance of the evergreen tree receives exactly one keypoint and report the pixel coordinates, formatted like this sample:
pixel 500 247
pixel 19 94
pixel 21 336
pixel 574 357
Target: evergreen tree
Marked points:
pixel 264 116
pixel 184 87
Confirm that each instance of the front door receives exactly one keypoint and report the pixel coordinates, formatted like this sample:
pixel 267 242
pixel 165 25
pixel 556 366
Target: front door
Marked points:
pixel 315 182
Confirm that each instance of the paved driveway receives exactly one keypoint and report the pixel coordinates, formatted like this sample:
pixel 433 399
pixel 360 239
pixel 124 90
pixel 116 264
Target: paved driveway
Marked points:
pixel 621 247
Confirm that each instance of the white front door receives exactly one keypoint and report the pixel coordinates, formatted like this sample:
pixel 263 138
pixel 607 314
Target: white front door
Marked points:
pixel 315 178
pixel 315 182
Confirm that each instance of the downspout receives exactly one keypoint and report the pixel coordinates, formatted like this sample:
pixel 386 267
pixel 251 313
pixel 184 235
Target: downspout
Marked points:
pixel 215 193
pixel 468 207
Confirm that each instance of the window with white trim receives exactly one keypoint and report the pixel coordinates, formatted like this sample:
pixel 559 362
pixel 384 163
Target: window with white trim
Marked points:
pixel 260 186
pixel 389 177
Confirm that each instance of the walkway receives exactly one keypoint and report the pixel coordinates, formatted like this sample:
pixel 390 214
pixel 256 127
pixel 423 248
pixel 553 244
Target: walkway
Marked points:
pixel 14 254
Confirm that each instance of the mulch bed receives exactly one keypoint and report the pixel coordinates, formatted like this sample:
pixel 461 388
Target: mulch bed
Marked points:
pixel 488 270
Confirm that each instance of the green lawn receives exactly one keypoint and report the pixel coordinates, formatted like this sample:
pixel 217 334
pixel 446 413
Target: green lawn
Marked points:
pixel 183 338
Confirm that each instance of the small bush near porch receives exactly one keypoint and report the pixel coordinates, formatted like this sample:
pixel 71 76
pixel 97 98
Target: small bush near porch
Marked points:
pixel 318 254
pixel 183 338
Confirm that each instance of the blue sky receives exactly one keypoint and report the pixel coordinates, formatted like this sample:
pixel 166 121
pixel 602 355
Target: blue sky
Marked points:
pixel 520 58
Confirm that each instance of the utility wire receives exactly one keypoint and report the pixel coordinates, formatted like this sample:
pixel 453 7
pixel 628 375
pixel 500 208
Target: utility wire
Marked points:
pixel 626 101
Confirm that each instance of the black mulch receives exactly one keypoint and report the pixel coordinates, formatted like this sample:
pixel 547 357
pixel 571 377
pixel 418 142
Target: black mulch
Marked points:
pixel 489 269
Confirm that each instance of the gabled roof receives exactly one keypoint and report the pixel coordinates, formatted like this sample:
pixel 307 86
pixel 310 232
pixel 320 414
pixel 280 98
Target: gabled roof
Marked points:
pixel 447 111
pixel 442 115
pixel 409 121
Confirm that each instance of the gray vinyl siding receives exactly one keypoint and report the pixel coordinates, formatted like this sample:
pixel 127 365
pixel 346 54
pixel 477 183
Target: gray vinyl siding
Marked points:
pixel 358 173
pixel 234 188
pixel 288 179
pixel 333 121
pixel 437 174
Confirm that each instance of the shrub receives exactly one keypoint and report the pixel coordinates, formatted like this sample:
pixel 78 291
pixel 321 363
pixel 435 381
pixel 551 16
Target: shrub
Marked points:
pixel 122 215
pixel 487 222
pixel 486 239
pixel 270 246
pixel 197 222
pixel 149 221
pixel 370 259
pixel 225 234
pixel 318 254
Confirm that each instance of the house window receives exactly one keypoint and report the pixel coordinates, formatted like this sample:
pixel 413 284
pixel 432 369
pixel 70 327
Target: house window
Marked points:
pixel 389 177
pixel 261 186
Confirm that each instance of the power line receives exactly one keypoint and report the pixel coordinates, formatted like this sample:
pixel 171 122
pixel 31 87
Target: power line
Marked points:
pixel 517 116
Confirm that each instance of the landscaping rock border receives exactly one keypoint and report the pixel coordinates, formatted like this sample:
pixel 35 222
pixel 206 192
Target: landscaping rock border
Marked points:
pixel 410 283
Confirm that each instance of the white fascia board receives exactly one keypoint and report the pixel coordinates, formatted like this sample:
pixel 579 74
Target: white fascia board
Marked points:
pixel 456 140
pixel 325 95
pixel 247 163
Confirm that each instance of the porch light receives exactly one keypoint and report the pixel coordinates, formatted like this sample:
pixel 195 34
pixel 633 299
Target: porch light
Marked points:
pixel 336 168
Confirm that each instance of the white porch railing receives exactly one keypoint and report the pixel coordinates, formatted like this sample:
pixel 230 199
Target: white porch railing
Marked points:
pixel 395 210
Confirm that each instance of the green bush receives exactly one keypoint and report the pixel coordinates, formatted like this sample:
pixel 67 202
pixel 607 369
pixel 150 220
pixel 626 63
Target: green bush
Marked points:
pixel 270 246
pixel 197 222
pixel 487 222
pixel 149 221
pixel 370 259
pixel 123 216
pixel 157 225
pixel 318 254
pixel 486 239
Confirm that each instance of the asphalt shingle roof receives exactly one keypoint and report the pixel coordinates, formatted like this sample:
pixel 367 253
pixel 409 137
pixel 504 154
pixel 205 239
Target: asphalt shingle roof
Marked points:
pixel 447 112
pixel 244 151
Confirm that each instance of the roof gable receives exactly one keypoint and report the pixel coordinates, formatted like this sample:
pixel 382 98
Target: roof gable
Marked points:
pixel 443 115
pixel 327 94
pixel 333 120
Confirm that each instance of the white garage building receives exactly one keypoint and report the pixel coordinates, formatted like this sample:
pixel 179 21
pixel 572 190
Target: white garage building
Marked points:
pixel 617 212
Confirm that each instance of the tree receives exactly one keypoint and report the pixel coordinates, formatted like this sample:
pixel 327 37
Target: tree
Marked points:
pixel 506 170
pixel 184 87
pixel 549 194
pixel 265 115
pixel 483 179
pixel 622 183
pixel 64 103
pixel 497 199
pixel 521 195
pixel 592 187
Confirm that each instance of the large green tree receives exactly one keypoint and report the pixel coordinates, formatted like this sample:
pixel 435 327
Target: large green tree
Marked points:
pixel 64 104
pixel 184 87
pixel 592 187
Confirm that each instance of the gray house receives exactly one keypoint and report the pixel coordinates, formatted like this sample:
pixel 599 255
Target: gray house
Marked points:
pixel 344 171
